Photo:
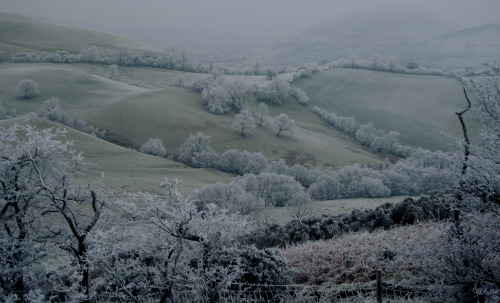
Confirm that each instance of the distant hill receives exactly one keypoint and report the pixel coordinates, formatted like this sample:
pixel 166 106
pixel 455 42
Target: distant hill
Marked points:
pixel 468 47
pixel 388 30
pixel 22 33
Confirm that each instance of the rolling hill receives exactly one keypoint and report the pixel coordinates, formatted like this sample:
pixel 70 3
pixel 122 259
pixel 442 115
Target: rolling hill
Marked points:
pixel 21 33
pixel 389 30
pixel 138 104
pixel 421 108
pixel 125 169
pixel 132 114
pixel 412 35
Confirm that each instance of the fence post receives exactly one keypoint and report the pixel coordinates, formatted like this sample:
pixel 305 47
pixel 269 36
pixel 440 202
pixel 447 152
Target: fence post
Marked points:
pixel 379 286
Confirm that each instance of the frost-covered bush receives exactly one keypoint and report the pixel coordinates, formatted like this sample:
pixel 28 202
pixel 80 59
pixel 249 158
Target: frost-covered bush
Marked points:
pixel 196 151
pixel 355 257
pixel 276 190
pixel 241 162
pixel 154 147
pixel 7 113
pixel 229 196
pixel 26 88
pixel 300 95
pixel 53 111
pixel 216 99
pixel 303 175
pixel 275 92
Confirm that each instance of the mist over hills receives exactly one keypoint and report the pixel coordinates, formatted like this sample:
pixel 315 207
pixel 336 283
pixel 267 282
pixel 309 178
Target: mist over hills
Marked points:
pixel 411 35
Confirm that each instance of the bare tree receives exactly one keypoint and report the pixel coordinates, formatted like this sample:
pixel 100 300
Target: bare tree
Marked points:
pixel 37 190
pixel 261 112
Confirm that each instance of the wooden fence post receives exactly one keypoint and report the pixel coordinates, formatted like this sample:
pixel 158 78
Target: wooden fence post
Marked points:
pixel 379 286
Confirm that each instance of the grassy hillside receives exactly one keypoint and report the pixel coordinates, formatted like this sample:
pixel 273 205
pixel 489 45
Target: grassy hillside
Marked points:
pixel 132 114
pixel 125 169
pixel 421 108
pixel 22 33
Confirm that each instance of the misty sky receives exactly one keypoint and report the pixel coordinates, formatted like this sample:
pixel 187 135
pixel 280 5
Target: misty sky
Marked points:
pixel 163 22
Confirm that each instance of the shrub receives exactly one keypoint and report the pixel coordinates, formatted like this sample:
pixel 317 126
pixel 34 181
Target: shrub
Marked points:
pixel 229 196
pixel 154 147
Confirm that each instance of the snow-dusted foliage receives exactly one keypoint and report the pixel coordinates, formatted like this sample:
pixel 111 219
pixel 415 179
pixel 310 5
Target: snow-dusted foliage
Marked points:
pixel 275 92
pixel 7 113
pixel 196 151
pixel 53 111
pixel 154 147
pixel 304 176
pixel 37 190
pixel 244 121
pixel 355 257
pixel 376 139
pixel 276 190
pixel 26 88
pixel 282 123
pixel 170 250
pixel 300 95
pixel 229 196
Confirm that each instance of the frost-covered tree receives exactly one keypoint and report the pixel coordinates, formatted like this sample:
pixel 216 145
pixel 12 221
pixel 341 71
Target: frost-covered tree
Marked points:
pixel 238 92
pixel 262 111
pixel 216 99
pixel 154 147
pixel 275 92
pixel 26 88
pixel 196 151
pixel 229 196
pixel 270 74
pixel 113 69
pixel 7 114
pixel 282 123
pixel 43 210
pixel 173 250
pixel 275 189
pixel 300 95
pixel 244 121
pixel 241 162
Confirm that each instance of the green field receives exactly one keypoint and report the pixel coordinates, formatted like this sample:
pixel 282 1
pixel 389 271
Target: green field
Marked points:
pixel 421 108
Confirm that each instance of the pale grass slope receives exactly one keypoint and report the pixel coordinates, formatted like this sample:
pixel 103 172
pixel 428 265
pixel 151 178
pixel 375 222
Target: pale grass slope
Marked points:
pixel 421 108
pixel 127 170
pixel 133 111
pixel 22 33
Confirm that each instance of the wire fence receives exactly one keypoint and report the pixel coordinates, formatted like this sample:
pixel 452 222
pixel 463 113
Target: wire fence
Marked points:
pixel 362 293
